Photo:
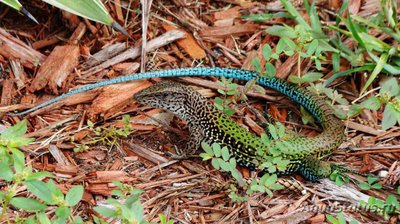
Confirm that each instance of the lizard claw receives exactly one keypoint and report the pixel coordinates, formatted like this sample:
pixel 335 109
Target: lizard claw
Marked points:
pixel 180 154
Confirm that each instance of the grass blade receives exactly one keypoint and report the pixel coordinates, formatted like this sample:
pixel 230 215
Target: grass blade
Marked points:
pixel 376 71
pixel 348 72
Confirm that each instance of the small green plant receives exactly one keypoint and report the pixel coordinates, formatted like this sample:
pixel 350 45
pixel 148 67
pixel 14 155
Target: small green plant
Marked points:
pixel 229 91
pixel 235 196
pixel 389 95
pixel 370 184
pixel 106 136
pixel 339 177
pixel 127 208
pixel 389 206
pixel 371 54
pixel 266 184
pixel 221 160
pixel 51 195
pixel 339 219
pixel 15 173
pixel 275 140
pixel 163 219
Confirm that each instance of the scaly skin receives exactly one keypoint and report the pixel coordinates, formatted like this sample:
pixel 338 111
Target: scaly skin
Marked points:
pixel 304 152
pixel 208 124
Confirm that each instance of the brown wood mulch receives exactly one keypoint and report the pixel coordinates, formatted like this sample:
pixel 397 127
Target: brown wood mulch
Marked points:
pixel 73 52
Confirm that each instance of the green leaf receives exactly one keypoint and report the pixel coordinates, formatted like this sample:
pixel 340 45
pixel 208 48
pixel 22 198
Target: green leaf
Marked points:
pixel 5 170
pixel 215 163
pixel 42 218
pixel 331 219
pixel 311 76
pixel 289 43
pixel 377 186
pixel 280 47
pixel 267 51
pixel 38 175
pixel 207 148
pixel 392 200
pixel 390 116
pixel 216 149
pixel 106 212
pixel 225 153
pixel 270 69
pixel 78 220
pixel 74 195
pixel 354 110
pixel 232 163
pixel 90 9
pixel 40 190
pixel 27 204
pixel 19 160
pixel 224 165
pixel 273 132
pixel 117 193
pixel 205 156
pixel 274 56
pixel 295 79
pixel 270 180
pixel 13 4
pixel 257 64
pixel 364 186
pixel 55 191
pixel 312 47
pixel 390 86
pixel 372 103
pixel 62 214
pixel 281 31
pixel 12 136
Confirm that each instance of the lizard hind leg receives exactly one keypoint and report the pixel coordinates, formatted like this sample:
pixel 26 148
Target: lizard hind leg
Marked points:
pixel 314 169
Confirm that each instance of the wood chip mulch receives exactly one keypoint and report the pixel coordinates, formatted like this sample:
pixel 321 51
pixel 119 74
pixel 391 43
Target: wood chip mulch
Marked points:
pixel 73 52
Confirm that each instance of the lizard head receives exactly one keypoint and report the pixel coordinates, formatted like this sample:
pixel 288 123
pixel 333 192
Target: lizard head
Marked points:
pixel 174 97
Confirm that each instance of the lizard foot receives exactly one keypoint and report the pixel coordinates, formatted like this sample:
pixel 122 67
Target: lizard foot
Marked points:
pixel 181 154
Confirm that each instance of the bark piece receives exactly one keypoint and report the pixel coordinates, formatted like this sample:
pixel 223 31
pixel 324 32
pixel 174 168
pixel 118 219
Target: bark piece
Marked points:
pixel 188 44
pixel 113 98
pixel 15 49
pixel 56 68
pixel 236 30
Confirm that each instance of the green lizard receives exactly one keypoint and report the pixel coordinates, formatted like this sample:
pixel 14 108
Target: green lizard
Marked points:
pixel 206 123
pixel 305 153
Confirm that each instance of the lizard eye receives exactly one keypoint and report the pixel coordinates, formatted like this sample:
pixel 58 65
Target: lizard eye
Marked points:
pixel 164 96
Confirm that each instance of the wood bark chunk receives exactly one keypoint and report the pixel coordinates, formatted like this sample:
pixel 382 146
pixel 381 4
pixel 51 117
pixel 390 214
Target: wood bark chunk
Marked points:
pixel 8 92
pixel 113 98
pixel 188 44
pixel 134 52
pixel 228 14
pixel 56 68
pixel 236 30
pixel 15 49
pixel 105 54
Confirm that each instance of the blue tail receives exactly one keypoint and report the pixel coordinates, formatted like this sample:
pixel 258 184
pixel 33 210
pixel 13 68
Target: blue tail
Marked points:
pixel 296 94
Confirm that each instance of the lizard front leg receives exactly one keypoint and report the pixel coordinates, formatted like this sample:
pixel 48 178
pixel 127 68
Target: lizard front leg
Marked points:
pixel 195 139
